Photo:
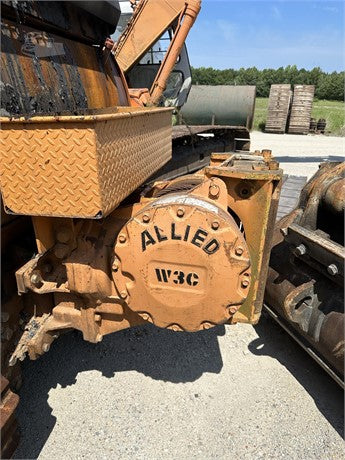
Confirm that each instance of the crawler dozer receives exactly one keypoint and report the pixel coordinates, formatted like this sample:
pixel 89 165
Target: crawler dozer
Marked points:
pixel 96 236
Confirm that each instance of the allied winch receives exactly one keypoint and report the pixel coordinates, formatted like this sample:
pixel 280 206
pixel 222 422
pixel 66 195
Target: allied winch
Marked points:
pixel 187 254
pixel 182 261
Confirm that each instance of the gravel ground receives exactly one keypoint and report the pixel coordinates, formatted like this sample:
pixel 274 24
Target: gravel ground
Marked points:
pixel 232 392
pixel 300 155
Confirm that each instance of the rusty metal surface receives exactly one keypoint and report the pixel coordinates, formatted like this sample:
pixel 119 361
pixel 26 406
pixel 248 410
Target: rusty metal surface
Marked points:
pixel 9 428
pixel 56 75
pixel 214 243
pixel 261 184
pixel 305 279
pixel 334 196
pixel 80 20
pixel 81 166
pixel 53 61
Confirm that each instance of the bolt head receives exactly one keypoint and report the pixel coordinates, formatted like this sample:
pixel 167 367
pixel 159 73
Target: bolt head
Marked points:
pixel 332 269
pixel 63 235
pixel 146 218
pixel 36 279
pixel 300 250
pixel 215 224
pixel 239 251
pixel 245 283
pixel 214 191
pixel 61 250
pixel 232 310
pixel 46 347
pixel 122 238
pixel 180 212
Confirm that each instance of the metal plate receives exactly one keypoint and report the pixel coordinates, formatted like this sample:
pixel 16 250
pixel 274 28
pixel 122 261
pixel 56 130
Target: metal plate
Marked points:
pixel 74 166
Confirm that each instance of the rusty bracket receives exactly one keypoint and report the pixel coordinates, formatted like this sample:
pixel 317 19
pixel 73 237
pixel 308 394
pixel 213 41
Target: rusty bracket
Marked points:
pixel 30 277
pixel 312 247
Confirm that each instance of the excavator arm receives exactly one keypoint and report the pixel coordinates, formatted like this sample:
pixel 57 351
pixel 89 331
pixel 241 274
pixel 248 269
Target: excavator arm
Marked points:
pixel 151 18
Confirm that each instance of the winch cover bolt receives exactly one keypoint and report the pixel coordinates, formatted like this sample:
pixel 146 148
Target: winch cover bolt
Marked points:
pixel 122 238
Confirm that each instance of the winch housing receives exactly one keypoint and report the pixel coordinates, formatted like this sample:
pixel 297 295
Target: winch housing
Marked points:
pixel 182 261
pixel 186 254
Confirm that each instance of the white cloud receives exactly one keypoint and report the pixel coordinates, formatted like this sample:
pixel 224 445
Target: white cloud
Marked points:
pixel 227 29
pixel 276 12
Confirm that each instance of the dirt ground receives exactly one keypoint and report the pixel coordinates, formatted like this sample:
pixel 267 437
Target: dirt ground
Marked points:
pixel 231 392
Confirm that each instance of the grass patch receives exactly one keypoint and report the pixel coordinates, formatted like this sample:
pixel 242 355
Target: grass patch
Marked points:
pixel 334 114
pixel 332 111
pixel 260 114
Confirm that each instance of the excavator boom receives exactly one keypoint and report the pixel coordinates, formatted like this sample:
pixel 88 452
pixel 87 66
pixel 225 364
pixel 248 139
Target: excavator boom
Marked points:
pixel 138 38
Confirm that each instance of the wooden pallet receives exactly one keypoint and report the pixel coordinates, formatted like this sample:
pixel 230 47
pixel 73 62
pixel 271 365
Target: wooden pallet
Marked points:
pixel 302 104
pixel 278 108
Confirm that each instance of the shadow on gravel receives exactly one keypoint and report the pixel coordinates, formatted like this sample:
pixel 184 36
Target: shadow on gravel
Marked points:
pixel 275 342
pixel 307 159
pixel 158 353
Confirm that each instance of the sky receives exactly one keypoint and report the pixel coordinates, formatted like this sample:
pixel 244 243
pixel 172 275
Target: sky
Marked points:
pixel 268 34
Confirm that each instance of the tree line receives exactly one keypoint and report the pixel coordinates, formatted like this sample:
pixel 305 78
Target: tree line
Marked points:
pixel 327 85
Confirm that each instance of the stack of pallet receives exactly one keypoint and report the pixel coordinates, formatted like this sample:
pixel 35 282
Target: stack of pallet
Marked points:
pixel 302 103
pixel 278 108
